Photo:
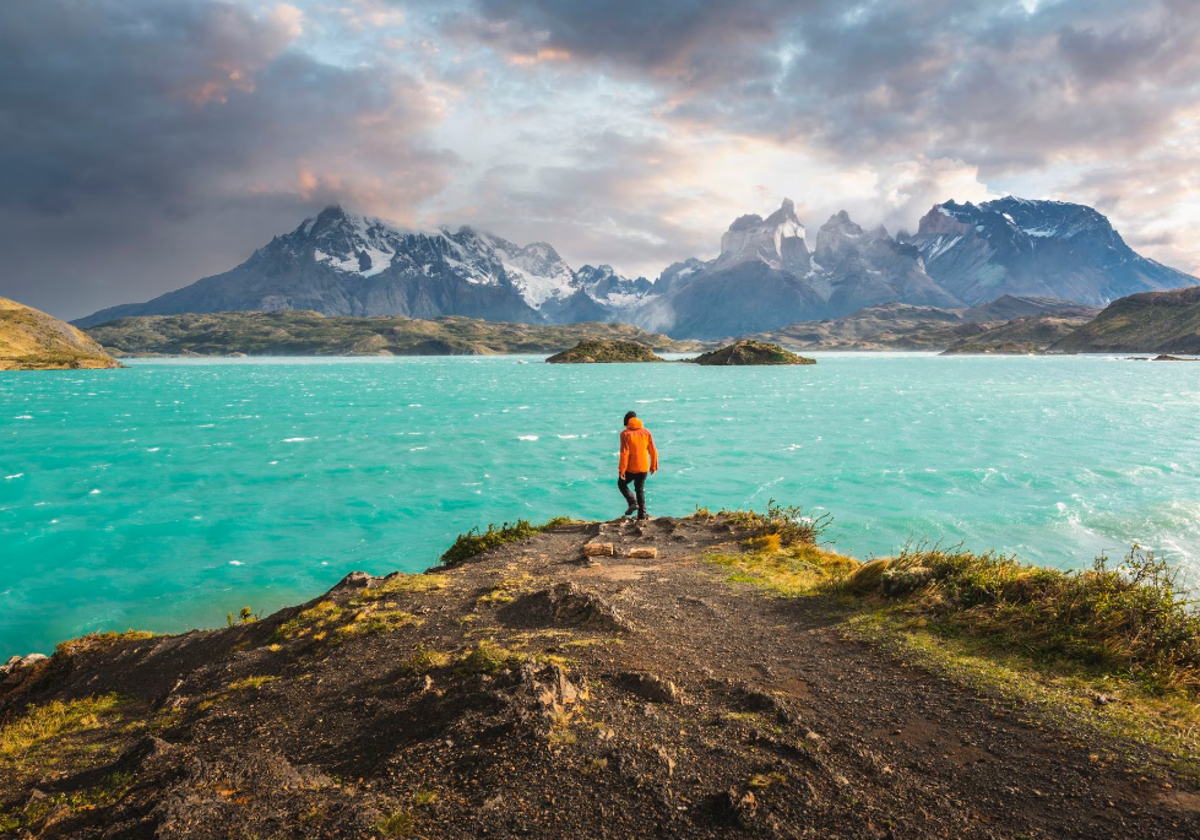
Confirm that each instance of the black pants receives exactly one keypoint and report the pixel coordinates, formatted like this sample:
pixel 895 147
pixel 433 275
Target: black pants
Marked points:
pixel 639 484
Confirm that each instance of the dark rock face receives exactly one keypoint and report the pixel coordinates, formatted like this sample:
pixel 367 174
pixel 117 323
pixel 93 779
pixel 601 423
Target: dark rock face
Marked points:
pixel 1041 248
pixel 746 297
pixel 767 278
pixel 867 268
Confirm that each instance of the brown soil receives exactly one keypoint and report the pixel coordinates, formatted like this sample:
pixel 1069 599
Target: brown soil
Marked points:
pixel 651 698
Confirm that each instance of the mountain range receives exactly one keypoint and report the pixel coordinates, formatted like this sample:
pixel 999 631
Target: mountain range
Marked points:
pixel 766 276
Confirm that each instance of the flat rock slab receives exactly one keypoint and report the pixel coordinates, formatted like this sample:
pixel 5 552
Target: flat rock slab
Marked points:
pixel 598 549
pixel 643 553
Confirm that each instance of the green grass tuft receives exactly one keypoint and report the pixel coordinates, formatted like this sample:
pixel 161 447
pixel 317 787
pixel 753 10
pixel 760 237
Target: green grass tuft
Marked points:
pixel 399 823
pixel 789 524
pixel 487 657
pixel 476 542
pixel 53 719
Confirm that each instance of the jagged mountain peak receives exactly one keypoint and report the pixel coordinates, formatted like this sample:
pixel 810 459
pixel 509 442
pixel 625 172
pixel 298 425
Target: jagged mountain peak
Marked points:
pixel 778 241
pixel 841 221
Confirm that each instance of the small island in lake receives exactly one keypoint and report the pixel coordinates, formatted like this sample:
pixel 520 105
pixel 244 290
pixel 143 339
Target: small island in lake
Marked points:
pixel 752 353
pixel 600 351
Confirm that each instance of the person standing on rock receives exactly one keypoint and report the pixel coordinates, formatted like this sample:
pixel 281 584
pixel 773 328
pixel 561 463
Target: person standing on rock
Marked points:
pixel 639 459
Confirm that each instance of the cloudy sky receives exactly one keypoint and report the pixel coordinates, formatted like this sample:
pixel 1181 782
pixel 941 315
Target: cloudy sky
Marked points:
pixel 147 143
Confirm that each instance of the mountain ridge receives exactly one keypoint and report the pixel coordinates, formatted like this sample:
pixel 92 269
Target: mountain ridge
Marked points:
pixel 765 277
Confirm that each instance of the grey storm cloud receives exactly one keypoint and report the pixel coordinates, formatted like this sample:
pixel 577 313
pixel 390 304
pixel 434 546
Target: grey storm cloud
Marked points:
pixel 614 203
pixel 988 81
pixel 162 113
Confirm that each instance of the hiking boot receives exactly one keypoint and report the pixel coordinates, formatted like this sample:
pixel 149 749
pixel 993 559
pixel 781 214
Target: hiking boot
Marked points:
pixel 631 510
pixel 641 517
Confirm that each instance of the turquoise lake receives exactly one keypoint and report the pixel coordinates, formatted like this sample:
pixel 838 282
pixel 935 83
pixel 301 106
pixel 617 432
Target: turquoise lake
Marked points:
pixel 163 496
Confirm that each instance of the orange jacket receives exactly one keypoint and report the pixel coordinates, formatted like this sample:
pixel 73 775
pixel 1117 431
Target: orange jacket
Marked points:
pixel 638 454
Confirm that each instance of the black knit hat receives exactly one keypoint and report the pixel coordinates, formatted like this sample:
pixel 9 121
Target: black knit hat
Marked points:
pixel 629 415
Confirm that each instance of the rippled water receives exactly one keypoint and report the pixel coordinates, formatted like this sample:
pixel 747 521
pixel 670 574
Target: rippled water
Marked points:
pixel 163 496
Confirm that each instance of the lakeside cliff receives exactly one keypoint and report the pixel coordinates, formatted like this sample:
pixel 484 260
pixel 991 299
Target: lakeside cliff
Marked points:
pixel 684 678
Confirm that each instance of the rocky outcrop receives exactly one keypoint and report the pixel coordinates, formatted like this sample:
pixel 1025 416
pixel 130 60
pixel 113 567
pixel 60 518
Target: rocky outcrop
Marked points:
pixel 18 669
pixel 484 700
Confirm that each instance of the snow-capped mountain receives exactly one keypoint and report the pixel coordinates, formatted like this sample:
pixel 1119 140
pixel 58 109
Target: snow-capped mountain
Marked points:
pixel 767 276
pixel 778 241
pixel 605 286
pixel 1021 247
pixel 339 263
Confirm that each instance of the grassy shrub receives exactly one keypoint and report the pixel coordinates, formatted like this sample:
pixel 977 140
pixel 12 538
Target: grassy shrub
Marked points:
pixel 1130 618
pixel 866 577
pixel 475 542
pixel 789 524
pixel 424 660
pixel 487 657
pixel 399 823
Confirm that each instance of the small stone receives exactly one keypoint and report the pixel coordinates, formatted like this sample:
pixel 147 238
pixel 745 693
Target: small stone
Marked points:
pixel 598 549
pixel 1103 699
pixel 643 553
pixel 742 806
pixel 651 687
pixel 354 580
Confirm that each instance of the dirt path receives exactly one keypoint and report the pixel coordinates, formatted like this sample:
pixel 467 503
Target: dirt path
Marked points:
pixel 661 701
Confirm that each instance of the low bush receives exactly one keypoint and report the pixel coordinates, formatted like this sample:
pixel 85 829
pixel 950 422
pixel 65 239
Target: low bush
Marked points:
pixel 487 658
pixel 1130 617
pixel 789 524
